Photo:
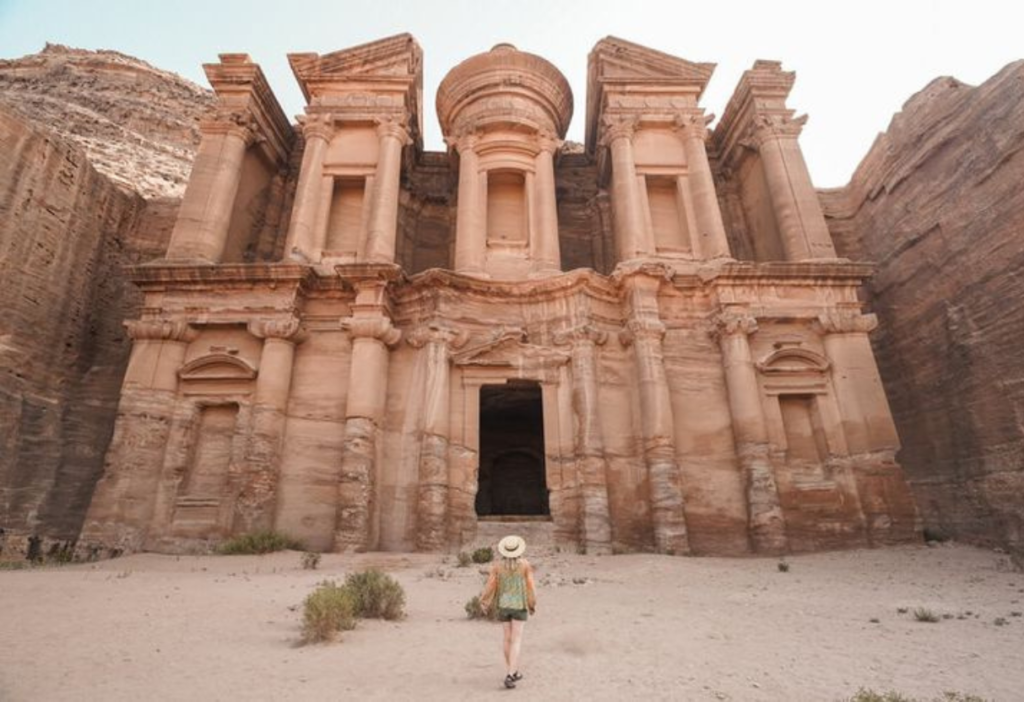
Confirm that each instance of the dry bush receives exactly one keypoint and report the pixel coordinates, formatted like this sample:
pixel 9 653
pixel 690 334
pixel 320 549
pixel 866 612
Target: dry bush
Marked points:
pixel 474 610
pixel 376 594
pixel 310 560
pixel 483 555
pixel 327 611
pixel 258 542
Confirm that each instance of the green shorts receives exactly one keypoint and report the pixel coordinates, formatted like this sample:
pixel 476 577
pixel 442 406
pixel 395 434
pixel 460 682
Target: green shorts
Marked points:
pixel 507 615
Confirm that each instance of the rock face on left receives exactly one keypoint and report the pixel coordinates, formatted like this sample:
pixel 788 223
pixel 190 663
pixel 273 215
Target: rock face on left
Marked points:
pixel 77 204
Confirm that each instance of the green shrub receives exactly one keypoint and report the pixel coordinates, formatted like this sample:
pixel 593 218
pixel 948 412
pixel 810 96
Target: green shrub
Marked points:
pixel 923 614
pixel 376 595
pixel 464 559
pixel 475 611
pixel 483 555
pixel 310 560
pixel 893 696
pixel 266 541
pixel 328 610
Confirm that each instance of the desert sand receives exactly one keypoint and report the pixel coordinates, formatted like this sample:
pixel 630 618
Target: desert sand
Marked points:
pixel 152 627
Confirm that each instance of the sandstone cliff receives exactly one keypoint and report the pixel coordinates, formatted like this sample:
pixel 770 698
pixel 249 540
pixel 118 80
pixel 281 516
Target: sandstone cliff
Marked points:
pixel 938 203
pixel 137 124
pixel 86 136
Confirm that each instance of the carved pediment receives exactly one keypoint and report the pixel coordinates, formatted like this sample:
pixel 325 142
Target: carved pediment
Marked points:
pixel 507 348
pixel 398 56
pixel 620 68
pixel 217 366
pixel 617 59
pixel 793 361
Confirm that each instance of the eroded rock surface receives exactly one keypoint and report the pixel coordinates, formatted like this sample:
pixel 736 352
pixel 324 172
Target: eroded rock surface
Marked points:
pixel 139 125
pixel 938 203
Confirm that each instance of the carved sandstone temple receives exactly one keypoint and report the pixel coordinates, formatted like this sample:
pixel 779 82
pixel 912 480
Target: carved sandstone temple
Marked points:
pixel 649 342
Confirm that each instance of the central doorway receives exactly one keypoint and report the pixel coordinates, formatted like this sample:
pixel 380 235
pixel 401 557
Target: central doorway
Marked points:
pixel 512 480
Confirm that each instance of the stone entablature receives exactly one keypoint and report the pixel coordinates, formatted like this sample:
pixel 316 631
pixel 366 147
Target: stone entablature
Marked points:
pixel 686 402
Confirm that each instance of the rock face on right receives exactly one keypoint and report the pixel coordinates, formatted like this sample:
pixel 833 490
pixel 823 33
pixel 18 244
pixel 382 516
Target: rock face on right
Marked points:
pixel 938 203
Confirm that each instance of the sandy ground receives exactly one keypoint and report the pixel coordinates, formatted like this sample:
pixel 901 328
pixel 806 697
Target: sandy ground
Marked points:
pixel 150 627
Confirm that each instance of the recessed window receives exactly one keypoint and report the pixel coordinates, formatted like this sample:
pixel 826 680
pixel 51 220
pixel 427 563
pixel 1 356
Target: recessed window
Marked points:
pixel 506 208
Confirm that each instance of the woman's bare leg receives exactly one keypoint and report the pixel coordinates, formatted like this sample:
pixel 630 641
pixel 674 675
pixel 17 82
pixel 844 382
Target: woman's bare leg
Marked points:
pixel 507 627
pixel 517 641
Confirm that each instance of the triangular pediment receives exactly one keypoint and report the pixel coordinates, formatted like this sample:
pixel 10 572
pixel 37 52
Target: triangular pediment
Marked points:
pixel 617 59
pixel 507 348
pixel 394 57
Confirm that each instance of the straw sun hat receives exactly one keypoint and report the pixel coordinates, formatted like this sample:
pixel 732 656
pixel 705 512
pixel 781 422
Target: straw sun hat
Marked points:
pixel 512 546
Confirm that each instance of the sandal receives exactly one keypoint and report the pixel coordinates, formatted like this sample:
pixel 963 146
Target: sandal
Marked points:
pixel 510 681
pixel 517 676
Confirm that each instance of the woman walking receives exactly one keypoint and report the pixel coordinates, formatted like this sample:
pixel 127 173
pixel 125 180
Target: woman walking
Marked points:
pixel 511 581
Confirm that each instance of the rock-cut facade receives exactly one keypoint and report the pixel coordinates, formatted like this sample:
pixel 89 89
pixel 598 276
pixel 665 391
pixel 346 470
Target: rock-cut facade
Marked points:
pixel 644 343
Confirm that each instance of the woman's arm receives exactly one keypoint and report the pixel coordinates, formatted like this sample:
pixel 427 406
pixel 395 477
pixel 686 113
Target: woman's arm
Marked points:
pixel 489 589
pixel 531 589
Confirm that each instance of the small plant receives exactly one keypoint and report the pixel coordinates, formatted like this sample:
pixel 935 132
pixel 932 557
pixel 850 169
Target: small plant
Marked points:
pixel 904 610
pixel 483 555
pixel 464 559
pixel 783 567
pixel 874 620
pixel 872 696
pixel 258 542
pixel 328 610
pixel 923 614
pixel 376 595
pixel 310 560
pixel 474 610
pixel 1000 621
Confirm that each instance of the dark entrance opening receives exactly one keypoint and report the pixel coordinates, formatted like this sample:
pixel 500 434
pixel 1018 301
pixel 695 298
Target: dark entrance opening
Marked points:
pixel 512 480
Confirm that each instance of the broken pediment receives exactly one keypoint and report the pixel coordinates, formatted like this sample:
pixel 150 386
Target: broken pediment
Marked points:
pixel 614 59
pixel 627 77
pixel 387 59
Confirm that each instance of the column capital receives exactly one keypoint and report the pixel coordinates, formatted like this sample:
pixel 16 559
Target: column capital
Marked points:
pixel 694 124
pixel 437 333
pixel 393 126
pixel 379 328
pixel 642 328
pixel 160 330
pixel 239 124
pixel 286 328
pixel 844 322
pixel 548 142
pixel 463 141
pixel 617 127
pixel 581 335
pixel 733 322
pixel 771 127
pixel 316 126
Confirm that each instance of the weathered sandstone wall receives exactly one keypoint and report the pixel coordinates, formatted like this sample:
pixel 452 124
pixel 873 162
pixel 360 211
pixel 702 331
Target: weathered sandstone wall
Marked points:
pixel 938 204
pixel 65 232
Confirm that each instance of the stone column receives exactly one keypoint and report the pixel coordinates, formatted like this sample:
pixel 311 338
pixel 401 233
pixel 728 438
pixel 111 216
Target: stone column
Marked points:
pixel 305 241
pixel 766 525
pixel 794 200
pixel 470 223
pixel 372 334
pixel 645 331
pixel 548 254
pixel 124 500
pixel 867 420
pixel 588 443
pixel 432 497
pixel 383 227
pixel 255 505
pixel 201 230
pixel 630 229
pixel 711 240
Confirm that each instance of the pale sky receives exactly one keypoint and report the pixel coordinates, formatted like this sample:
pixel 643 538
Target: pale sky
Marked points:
pixel 856 62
